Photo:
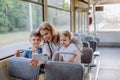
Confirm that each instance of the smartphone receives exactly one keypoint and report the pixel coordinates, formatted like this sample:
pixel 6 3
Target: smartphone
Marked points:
pixel 40 57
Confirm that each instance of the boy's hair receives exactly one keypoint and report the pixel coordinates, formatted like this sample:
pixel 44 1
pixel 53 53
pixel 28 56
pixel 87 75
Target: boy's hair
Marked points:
pixel 67 34
pixel 35 34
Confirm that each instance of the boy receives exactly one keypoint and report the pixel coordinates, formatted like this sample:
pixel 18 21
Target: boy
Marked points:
pixel 35 40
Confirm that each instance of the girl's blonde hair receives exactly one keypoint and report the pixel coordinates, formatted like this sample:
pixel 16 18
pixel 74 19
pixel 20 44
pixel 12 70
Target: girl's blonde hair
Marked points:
pixel 67 34
pixel 51 29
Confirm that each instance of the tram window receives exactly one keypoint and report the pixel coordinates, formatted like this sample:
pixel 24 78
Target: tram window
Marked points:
pixel 15 24
pixel 64 4
pixel 55 3
pixel 60 19
pixel 59 14
pixel 107 20
pixel 37 15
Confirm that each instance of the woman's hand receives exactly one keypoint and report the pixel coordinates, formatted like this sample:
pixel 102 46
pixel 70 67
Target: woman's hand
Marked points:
pixel 80 52
pixel 35 62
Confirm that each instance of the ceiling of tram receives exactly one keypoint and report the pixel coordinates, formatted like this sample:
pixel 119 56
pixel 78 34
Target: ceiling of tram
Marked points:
pixel 102 2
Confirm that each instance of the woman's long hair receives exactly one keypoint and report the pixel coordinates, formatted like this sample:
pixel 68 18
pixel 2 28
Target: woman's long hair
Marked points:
pixel 51 29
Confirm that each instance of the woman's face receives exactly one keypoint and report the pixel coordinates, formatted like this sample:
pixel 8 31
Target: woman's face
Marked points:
pixel 47 36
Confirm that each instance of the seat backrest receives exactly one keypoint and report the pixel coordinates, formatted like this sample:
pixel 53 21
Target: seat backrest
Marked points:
pixel 86 44
pixel 55 70
pixel 97 39
pixel 19 67
pixel 87 55
pixel 93 44
pixel 88 38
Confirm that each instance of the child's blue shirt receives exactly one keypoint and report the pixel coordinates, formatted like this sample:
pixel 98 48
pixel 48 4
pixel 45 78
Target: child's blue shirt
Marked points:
pixel 28 53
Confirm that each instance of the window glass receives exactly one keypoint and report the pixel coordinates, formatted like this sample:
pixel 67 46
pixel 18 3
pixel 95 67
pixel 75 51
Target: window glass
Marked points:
pixel 56 3
pixel 108 19
pixel 61 19
pixel 36 15
pixel 64 4
pixel 15 24
pixel 60 14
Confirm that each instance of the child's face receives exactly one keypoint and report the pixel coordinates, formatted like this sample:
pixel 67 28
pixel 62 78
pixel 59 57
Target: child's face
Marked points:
pixel 64 41
pixel 35 41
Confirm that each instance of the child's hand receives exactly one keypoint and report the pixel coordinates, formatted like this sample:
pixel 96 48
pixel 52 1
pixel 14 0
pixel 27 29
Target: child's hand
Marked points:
pixel 17 53
pixel 35 62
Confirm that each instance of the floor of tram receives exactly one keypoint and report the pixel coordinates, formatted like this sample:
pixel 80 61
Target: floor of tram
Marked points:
pixel 109 66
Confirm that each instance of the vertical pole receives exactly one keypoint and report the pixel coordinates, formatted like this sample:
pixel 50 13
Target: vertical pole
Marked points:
pixel 81 19
pixel 87 21
pixel 30 16
pixel 78 21
pixel 73 26
pixel 94 19
pixel 45 10
pixel 88 26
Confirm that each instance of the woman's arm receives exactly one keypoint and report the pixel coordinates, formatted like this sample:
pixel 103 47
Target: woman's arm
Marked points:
pixel 78 43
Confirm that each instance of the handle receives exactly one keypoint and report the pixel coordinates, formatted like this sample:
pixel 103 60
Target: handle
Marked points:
pixel 69 53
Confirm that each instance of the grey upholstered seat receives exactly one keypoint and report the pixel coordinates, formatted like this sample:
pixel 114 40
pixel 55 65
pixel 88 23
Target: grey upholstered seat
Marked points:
pixel 55 70
pixel 86 44
pixel 88 38
pixel 87 57
pixel 19 67
pixel 93 45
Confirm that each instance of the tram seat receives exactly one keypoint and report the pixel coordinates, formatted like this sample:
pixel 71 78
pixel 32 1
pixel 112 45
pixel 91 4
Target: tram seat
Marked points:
pixel 56 70
pixel 19 67
pixel 80 36
pixel 87 58
pixel 93 44
pixel 65 70
pixel 97 39
pixel 77 35
pixel 87 55
pixel 86 44
pixel 88 38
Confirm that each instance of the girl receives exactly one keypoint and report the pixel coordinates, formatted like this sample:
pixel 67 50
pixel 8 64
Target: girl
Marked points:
pixel 67 46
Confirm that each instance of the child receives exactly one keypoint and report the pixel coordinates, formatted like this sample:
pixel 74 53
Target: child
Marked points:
pixel 67 46
pixel 35 41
